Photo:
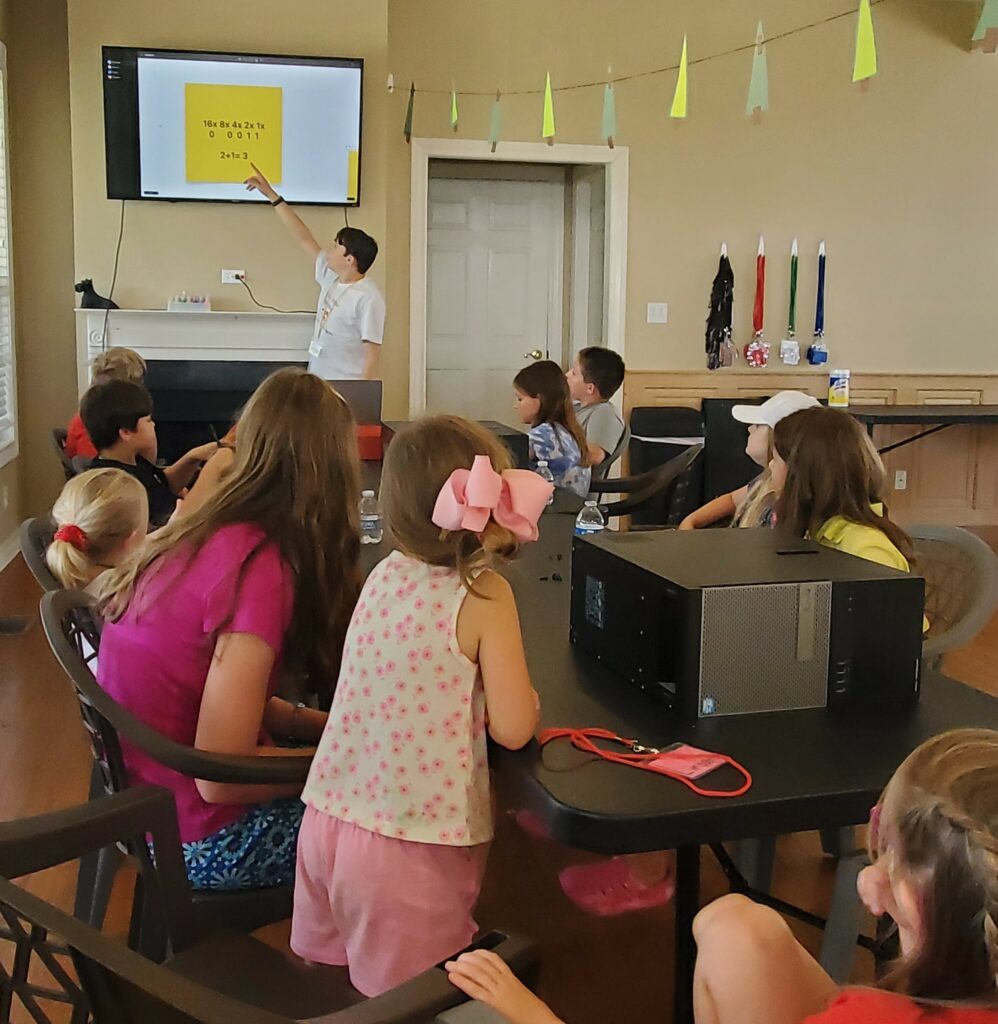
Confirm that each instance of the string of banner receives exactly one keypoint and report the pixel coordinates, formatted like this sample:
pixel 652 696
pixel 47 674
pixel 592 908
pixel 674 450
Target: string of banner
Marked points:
pixel 864 68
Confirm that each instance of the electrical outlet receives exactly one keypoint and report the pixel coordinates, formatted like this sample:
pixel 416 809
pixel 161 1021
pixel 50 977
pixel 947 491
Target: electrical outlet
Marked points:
pixel 901 480
pixel 658 312
pixel 233 276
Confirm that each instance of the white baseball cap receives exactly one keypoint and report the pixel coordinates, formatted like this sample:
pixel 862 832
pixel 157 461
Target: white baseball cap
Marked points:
pixel 774 409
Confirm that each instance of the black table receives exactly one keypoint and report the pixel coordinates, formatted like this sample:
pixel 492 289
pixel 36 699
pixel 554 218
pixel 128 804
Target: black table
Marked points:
pixel 811 769
pixel 942 416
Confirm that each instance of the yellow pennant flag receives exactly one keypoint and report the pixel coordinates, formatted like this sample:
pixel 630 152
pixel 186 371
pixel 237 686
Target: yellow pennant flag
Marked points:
pixel 679 99
pixel 453 109
pixel 547 127
pixel 865 63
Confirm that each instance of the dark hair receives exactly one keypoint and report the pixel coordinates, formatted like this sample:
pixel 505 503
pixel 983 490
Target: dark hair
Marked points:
pixel 546 381
pixel 112 406
pixel 360 245
pixel 831 472
pixel 603 368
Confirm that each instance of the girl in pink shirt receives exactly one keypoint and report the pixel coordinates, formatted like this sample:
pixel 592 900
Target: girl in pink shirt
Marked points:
pixel 399 817
pixel 934 844
pixel 205 618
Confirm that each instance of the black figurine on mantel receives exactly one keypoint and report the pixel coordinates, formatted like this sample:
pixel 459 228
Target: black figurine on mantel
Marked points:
pixel 718 337
pixel 90 299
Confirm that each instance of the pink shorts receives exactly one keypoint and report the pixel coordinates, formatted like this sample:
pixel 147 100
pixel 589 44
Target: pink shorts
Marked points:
pixel 387 908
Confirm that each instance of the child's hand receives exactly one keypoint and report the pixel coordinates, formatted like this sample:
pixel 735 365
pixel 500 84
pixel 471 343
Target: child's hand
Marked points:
pixel 486 977
pixel 687 523
pixel 203 452
pixel 874 889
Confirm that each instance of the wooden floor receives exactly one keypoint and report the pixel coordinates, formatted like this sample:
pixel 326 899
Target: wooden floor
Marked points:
pixel 594 970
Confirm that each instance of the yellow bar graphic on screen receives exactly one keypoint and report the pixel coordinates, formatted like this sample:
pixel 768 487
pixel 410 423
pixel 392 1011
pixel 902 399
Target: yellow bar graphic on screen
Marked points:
pixel 229 126
pixel 353 168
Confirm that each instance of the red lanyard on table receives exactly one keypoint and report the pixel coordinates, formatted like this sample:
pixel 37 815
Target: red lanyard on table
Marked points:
pixel 640 756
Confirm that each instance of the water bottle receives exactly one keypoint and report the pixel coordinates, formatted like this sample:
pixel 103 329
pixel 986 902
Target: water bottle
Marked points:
pixel 545 474
pixel 371 529
pixel 590 521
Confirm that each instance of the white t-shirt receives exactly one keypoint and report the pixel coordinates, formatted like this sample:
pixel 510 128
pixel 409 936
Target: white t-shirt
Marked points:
pixel 347 316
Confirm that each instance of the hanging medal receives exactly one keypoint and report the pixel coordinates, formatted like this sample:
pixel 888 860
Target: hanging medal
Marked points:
pixel 789 347
pixel 818 353
pixel 757 350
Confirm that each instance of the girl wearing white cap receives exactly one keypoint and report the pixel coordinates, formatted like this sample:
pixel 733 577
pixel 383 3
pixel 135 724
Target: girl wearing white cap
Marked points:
pixel 753 504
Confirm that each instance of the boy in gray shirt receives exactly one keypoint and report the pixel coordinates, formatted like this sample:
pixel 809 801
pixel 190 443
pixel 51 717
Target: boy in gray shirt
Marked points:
pixel 593 380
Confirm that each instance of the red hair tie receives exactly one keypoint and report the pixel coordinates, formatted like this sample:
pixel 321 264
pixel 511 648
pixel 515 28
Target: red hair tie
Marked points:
pixel 73 536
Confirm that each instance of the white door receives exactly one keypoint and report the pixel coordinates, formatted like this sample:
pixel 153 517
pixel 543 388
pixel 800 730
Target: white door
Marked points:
pixel 494 290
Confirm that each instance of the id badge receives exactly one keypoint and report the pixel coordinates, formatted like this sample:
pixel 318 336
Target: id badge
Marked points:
pixel 686 761
pixel 315 349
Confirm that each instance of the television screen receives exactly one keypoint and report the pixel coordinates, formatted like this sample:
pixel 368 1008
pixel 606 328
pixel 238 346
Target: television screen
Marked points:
pixel 185 125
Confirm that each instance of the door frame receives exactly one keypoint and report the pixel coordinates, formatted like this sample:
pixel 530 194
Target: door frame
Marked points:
pixel 425 149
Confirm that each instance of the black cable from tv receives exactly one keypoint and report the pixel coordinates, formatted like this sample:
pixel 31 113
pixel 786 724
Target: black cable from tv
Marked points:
pixel 114 274
pixel 263 305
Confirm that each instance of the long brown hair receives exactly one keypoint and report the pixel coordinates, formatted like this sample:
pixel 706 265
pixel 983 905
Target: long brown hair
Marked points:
pixel 938 822
pixel 546 381
pixel 296 476
pixel 832 470
pixel 417 464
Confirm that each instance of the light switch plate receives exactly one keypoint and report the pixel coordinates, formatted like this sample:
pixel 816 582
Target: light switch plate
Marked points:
pixel 658 312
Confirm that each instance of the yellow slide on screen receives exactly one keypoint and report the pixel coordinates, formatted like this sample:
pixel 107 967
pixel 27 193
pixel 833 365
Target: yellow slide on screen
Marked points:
pixel 228 126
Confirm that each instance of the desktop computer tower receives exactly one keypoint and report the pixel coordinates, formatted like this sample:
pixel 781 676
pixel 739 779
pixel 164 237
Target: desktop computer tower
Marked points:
pixel 727 622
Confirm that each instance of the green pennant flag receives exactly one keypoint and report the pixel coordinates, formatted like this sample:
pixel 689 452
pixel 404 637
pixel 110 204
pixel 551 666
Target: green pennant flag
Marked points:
pixel 679 97
pixel 495 125
pixel 453 109
pixel 609 115
pixel 407 130
pixel 547 124
pixel 986 32
pixel 758 90
pixel 865 63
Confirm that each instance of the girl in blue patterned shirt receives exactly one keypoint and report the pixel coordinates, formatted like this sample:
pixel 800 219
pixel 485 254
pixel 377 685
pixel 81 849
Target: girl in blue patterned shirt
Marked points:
pixel 544 403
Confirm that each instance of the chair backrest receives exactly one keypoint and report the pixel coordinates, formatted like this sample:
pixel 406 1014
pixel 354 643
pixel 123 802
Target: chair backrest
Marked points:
pixel 59 444
pixel 961 585
pixel 656 487
pixel 600 472
pixel 36 535
pixel 111 983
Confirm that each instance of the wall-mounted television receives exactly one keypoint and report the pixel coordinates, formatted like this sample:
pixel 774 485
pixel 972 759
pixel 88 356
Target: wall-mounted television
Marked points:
pixel 185 125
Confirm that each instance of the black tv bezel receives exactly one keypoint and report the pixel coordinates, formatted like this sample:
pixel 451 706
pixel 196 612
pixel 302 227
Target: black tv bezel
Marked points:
pixel 135 195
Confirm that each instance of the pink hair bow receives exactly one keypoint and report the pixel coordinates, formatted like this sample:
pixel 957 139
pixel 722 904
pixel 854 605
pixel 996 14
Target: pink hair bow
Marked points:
pixel 515 499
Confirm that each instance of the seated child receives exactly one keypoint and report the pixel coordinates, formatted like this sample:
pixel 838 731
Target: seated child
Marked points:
pixel 398 815
pixel 933 838
pixel 118 417
pixel 100 516
pixel 829 486
pixel 544 403
pixel 114 364
pixel 753 504
pixel 595 377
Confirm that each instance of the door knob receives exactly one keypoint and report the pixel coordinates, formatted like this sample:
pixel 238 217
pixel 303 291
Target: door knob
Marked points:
pixel 534 354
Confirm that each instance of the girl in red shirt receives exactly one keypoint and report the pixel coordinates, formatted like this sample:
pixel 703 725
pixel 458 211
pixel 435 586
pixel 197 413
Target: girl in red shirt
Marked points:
pixel 934 846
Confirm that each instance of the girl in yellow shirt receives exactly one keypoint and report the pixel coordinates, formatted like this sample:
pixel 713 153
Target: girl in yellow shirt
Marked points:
pixel 830 481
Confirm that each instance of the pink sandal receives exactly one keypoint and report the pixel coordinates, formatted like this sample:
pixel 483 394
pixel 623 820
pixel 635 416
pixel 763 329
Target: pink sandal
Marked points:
pixel 610 887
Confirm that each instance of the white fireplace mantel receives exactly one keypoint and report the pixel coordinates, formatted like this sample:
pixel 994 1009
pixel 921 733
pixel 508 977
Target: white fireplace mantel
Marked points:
pixel 157 334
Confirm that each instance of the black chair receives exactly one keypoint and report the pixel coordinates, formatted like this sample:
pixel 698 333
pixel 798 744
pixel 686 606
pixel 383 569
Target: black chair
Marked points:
pixel 72 629
pixel 36 535
pixel 213 977
pixel 659 490
pixel 59 444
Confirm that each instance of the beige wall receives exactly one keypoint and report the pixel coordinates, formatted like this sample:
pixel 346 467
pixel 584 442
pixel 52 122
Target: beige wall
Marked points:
pixel 8 474
pixel 898 179
pixel 174 247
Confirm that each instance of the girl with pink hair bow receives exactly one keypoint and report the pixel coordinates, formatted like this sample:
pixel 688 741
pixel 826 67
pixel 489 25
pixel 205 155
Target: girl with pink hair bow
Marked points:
pixel 398 813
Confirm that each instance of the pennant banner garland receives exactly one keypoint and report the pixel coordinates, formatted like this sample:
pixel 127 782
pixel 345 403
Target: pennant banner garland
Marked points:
pixel 758 91
pixel 865 62
pixel 865 67
pixel 986 34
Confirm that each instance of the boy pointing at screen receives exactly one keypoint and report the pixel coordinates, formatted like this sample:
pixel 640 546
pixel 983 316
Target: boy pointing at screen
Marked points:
pixel 350 318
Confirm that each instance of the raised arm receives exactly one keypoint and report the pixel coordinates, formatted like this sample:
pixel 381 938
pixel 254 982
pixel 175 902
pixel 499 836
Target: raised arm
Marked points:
pixel 295 225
